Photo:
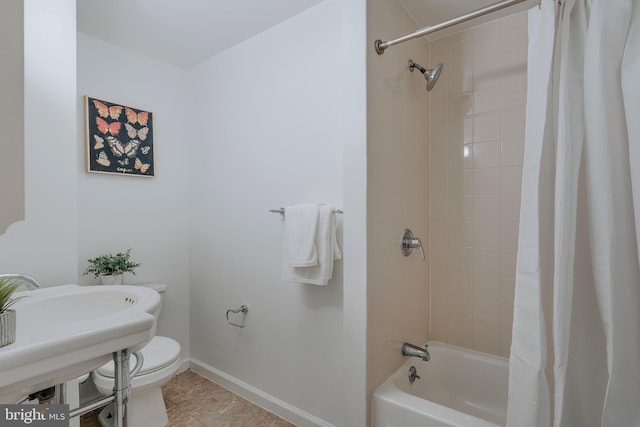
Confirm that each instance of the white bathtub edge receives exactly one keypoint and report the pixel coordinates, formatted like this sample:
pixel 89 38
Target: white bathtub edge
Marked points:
pixel 478 353
pixel 392 406
pixel 258 397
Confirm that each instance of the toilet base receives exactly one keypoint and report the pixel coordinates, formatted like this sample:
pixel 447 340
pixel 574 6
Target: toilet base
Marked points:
pixel 146 409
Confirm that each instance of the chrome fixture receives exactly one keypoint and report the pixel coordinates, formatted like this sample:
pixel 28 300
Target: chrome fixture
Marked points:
pixel 121 395
pixel 415 351
pixel 409 243
pixel 431 75
pixel 243 309
pixel 413 374
pixel 121 388
pixel 281 211
pixel 28 281
pixel 380 45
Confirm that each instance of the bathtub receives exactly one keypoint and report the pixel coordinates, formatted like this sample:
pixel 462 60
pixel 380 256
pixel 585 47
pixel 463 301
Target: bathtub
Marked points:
pixel 456 388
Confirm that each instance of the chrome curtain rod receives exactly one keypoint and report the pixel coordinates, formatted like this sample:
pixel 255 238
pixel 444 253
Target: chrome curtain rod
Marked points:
pixel 381 46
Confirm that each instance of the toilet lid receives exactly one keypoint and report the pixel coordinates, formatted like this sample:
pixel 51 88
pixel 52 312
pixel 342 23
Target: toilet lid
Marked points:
pixel 160 352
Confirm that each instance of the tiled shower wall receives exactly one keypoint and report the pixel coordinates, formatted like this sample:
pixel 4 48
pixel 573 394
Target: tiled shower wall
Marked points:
pixel 397 187
pixel 476 142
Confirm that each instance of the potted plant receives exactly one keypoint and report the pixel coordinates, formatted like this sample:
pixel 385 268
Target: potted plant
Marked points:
pixel 7 317
pixel 111 268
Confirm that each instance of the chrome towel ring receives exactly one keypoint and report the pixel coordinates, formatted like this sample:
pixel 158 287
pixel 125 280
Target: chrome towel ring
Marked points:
pixel 243 309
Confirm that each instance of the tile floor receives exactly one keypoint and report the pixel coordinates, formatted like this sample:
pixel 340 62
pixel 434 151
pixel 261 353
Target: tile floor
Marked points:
pixel 194 401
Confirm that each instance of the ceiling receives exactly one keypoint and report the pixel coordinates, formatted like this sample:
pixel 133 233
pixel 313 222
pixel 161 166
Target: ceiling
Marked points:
pixel 186 32
pixel 182 32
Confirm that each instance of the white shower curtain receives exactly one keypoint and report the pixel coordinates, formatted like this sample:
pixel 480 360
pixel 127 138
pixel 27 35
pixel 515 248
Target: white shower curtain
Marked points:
pixel 575 354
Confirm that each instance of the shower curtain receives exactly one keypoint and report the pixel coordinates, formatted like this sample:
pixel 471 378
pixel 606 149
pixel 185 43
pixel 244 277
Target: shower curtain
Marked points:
pixel 575 354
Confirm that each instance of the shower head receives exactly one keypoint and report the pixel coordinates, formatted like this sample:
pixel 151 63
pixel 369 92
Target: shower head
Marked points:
pixel 431 74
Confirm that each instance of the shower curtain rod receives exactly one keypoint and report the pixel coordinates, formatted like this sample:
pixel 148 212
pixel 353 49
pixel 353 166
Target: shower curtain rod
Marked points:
pixel 381 46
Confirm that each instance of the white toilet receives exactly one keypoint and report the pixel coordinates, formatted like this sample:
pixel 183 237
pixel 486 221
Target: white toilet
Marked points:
pixel 161 362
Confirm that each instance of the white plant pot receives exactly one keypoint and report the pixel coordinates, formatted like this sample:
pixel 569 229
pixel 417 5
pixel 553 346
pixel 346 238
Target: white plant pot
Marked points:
pixel 112 280
pixel 7 327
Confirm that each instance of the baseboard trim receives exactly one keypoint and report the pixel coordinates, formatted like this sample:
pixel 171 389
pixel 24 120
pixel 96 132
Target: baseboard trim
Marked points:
pixel 258 397
pixel 184 365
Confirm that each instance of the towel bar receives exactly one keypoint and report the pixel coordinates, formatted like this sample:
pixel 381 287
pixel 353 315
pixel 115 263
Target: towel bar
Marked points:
pixel 281 211
pixel 243 309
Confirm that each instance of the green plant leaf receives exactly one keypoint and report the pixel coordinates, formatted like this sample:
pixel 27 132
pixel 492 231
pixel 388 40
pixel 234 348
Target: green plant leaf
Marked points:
pixel 7 288
pixel 109 264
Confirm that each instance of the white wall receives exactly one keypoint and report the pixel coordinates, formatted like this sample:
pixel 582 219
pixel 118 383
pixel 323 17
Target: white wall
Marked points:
pixel 44 245
pixel 355 44
pixel 397 148
pixel 268 133
pixel 12 112
pixel 148 215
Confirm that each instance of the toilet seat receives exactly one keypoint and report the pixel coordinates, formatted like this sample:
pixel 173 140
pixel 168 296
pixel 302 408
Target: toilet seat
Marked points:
pixel 159 353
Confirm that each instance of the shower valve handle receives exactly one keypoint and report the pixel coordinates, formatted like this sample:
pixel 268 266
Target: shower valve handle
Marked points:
pixel 409 243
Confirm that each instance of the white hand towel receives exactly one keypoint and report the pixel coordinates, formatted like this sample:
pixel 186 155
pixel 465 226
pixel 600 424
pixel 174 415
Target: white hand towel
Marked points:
pixel 299 235
pixel 327 251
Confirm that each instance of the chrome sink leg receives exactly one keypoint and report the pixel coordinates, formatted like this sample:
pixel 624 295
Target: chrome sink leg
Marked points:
pixel 121 388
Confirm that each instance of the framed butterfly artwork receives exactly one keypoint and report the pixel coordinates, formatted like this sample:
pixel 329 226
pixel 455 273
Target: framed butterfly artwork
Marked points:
pixel 119 138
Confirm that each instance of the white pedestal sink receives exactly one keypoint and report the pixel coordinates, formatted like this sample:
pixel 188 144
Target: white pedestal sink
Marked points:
pixel 65 331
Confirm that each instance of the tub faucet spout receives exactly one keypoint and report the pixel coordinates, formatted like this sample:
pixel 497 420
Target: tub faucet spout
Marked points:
pixel 28 281
pixel 415 351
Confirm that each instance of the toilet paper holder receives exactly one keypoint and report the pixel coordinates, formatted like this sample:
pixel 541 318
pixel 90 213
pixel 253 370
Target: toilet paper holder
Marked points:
pixel 243 309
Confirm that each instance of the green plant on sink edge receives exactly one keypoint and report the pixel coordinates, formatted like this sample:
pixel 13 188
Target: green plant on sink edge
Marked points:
pixel 7 288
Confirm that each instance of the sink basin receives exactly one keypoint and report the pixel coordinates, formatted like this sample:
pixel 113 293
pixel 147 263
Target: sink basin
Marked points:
pixel 66 331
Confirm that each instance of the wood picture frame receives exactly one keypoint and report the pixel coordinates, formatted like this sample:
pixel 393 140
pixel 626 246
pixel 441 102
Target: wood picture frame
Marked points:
pixel 119 139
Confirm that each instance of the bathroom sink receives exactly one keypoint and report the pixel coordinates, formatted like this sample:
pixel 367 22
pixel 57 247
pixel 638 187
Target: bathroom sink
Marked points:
pixel 65 331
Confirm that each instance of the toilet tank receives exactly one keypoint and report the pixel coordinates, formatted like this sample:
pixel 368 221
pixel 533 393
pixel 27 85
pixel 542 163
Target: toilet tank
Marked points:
pixel 161 289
